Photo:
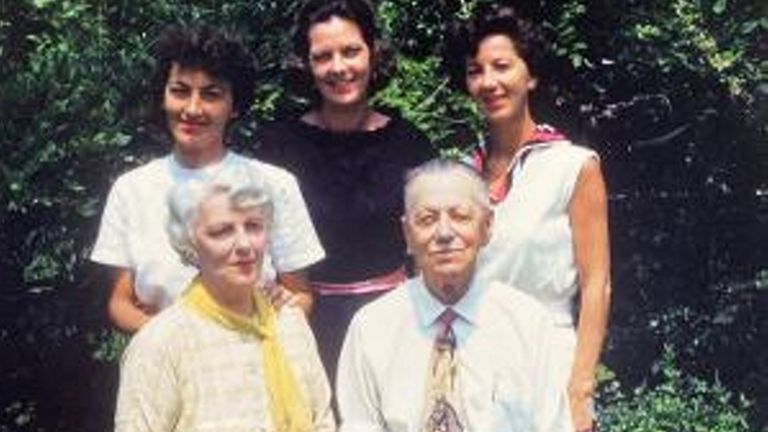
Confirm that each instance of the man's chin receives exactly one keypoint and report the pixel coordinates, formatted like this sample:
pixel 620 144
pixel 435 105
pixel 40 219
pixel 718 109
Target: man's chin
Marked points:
pixel 453 274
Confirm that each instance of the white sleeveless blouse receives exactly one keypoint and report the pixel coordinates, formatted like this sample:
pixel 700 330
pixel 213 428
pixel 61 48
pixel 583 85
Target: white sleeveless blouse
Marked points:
pixel 531 246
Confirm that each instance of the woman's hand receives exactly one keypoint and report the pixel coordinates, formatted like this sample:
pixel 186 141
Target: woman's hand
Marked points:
pixel 280 296
pixel 294 290
pixel 290 289
pixel 123 307
pixel 580 393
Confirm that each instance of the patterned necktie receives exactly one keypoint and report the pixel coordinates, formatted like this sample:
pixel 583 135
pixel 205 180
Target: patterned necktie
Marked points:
pixel 442 397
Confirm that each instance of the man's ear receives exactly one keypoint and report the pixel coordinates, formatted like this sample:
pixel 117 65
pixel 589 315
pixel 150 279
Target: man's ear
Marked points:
pixel 487 228
pixel 406 234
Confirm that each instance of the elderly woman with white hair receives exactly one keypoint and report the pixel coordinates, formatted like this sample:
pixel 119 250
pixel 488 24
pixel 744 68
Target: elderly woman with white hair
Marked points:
pixel 222 358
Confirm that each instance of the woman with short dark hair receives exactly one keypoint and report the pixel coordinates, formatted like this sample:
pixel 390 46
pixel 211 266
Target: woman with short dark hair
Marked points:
pixel 204 81
pixel 550 236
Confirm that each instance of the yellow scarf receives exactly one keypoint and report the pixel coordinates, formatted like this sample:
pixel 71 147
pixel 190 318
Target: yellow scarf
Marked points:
pixel 286 405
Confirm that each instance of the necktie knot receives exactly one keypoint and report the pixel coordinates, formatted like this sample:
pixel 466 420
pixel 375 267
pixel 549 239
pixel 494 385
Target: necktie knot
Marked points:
pixel 445 335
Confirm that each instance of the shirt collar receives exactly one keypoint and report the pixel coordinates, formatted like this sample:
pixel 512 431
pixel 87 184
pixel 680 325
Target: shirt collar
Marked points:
pixel 428 308
pixel 543 136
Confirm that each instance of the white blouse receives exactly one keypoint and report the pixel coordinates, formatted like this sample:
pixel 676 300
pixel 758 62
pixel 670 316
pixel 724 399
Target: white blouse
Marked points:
pixel 531 246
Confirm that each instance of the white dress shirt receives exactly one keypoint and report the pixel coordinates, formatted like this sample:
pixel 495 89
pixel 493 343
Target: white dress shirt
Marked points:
pixel 505 362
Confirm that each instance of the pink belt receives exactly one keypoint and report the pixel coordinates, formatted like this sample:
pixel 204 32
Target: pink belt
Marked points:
pixel 379 283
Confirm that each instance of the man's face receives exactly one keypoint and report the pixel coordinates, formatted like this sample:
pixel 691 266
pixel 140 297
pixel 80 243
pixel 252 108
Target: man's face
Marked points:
pixel 445 228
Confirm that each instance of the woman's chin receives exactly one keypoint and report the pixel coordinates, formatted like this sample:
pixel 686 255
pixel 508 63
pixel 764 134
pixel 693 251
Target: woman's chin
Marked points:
pixel 242 281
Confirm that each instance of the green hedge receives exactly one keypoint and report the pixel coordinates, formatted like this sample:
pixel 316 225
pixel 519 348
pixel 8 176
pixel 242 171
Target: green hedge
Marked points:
pixel 671 93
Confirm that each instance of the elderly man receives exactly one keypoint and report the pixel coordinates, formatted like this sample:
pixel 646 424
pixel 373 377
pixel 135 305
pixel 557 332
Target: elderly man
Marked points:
pixel 446 351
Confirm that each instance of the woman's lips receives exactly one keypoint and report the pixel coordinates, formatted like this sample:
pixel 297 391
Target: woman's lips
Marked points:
pixel 342 87
pixel 191 128
pixel 245 266
pixel 493 103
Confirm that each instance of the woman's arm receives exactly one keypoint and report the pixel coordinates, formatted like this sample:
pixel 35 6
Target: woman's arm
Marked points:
pixel 293 289
pixel 589 222
pixel 122 306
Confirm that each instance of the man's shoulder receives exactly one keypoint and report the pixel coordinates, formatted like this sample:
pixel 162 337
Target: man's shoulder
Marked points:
pixel 389 307
pixel 515 304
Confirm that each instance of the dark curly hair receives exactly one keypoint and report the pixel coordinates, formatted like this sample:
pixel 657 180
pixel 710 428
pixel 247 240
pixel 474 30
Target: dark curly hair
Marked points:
pixel 361 12
pixel 464 37
pixel 219 52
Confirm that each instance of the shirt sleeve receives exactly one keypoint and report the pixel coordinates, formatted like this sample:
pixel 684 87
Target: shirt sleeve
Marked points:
pixel 355 386
pixel 148 399
pixel 573 159
pixel 294 244
pixel 111 245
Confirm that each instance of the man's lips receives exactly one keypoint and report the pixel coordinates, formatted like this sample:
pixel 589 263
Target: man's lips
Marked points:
pixel 445 253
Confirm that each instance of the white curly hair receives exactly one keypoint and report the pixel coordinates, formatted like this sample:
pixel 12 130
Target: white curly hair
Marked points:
pixel 238 182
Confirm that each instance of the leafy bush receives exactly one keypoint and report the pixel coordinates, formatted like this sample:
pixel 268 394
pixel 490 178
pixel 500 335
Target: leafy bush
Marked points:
pixel 423 96
pixel 669 92
pixel 676 402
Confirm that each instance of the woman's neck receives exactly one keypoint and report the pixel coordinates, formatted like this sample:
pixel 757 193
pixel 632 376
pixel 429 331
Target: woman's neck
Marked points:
pixel 345 118
pixel 508 137
pixel 198 159
pixel 235 299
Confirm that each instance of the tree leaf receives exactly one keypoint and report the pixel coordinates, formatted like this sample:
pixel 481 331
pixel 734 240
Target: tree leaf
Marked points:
pixel 719 6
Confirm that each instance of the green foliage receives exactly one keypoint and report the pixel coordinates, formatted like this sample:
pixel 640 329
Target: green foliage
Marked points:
pixel 569 41
pixel 707 42
pixel 668 92
pixel 677 402
pixel 19 416
pixel 418 25
pixel 107 344
pixel 423 96
pixel 62 90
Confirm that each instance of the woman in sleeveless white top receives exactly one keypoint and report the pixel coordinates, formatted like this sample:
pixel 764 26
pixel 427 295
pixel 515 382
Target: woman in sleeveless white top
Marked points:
pixel 550 234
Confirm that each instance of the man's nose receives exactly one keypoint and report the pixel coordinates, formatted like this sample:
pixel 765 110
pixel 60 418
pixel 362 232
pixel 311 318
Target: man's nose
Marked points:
pixel 444 230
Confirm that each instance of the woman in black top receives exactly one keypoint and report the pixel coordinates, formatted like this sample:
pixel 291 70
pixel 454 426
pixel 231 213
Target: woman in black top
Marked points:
pixel 350 161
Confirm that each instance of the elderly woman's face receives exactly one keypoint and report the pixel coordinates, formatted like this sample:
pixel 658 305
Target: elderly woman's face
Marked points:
pixel 498 79
pixel 340 61
pixel 230 242
pixel 198 109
